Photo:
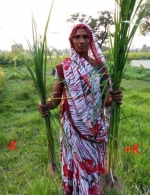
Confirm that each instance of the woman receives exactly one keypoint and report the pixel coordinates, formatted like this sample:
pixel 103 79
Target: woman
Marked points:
pixel 80 83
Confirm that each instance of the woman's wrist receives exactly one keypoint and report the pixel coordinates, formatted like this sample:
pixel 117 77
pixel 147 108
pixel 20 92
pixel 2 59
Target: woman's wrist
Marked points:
pixel 108 100
pixel 50 104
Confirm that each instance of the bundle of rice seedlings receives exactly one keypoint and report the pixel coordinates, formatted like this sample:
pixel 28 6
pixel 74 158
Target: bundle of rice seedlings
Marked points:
pixel 126 23
pixel 37 72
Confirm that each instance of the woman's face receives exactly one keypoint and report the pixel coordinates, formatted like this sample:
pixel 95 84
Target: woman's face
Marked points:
pixel 81 41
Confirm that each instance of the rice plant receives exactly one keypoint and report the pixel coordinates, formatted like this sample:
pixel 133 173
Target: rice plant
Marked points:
pixel 126 23
pixel 37 72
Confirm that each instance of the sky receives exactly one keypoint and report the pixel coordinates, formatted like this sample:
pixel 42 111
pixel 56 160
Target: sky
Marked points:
pixel 15 20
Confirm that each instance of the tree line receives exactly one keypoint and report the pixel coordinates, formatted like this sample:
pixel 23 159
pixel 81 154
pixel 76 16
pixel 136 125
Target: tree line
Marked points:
pixel 100 26
pixel 104 21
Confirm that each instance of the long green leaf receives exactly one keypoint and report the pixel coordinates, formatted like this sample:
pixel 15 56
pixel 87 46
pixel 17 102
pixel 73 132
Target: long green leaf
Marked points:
pixel 126 24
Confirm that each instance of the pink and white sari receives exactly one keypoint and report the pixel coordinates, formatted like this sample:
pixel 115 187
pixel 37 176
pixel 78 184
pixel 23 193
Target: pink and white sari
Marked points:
pixel 83 152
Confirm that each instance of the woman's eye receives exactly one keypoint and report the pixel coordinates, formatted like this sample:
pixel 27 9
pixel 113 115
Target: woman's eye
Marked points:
pixel 77 37
pixel 85 37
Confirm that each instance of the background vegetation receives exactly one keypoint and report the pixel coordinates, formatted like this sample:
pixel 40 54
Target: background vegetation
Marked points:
pixel 25 171
pixel 8 57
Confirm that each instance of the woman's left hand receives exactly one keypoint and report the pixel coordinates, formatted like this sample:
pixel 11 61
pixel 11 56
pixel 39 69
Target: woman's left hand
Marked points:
pixel 117 96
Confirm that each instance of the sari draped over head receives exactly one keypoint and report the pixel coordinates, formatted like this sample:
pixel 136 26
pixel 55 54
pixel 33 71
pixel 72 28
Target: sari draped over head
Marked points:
pixel 83 148
pixel 82 84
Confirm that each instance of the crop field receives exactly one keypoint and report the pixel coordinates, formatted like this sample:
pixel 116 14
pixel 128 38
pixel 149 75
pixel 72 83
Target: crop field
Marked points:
pixel 24 171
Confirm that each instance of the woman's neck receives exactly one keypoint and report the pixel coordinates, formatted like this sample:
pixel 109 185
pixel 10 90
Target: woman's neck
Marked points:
pixel 85 56
pixel 89 60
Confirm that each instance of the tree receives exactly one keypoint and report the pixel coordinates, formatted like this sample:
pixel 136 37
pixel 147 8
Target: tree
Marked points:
pixel 145 24
pixel 16 49
pixel 99 25
pixel 145 48
pixel 66 51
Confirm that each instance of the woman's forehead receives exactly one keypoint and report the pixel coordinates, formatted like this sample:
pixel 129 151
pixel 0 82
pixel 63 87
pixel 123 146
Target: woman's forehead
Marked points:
pixel 80 31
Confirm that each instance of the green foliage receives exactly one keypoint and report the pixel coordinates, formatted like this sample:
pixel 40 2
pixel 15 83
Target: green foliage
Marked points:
pixel 37 71
pixel 138 56
pixel 125 15
pixel 16 48
pixel 16 75
pixel 9 58
pixel 21 121
pixel 131 55
pixel 42 186
pixel 24 171
pixel 5 58
pixel 136 73
pixel 133 130
pixel 2 78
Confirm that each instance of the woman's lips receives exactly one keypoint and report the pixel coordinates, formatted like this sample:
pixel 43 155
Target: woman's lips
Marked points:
pixel 82 47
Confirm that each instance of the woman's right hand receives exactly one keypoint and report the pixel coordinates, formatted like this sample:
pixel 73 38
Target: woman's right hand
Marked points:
pixel 43 109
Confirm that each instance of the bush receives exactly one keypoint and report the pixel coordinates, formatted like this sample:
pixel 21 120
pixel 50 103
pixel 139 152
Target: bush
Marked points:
pixel 132 55
pixel 139 56
pixel 136 73
pixel 5 58
pixel 2 78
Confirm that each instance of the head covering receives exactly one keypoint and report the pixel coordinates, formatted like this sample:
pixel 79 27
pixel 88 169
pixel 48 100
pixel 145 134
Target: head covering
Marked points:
pixel 84 89
pixel 94 49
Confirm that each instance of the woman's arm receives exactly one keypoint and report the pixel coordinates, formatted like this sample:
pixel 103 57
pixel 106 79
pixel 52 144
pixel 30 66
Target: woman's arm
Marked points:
pixel 56 95
pixel 55 100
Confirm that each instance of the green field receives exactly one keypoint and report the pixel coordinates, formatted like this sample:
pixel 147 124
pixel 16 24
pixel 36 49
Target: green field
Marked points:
pixel 25 171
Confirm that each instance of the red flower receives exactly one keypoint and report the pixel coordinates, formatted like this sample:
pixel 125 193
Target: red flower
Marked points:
pixel 68 173
pixel 93 190
pixel 88 166
pixel 67 188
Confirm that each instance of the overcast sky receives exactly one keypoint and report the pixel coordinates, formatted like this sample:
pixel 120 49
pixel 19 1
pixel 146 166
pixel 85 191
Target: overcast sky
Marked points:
pixel 15 20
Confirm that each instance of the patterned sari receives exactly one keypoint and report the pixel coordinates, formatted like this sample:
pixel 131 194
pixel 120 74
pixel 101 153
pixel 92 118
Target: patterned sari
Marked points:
pixel 83 149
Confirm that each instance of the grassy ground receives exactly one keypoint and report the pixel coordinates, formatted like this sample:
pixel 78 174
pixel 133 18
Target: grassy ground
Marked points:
pixel 25 171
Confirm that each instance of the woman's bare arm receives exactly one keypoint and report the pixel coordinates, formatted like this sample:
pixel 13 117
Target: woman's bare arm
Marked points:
pixel 55 99
pixel 57 94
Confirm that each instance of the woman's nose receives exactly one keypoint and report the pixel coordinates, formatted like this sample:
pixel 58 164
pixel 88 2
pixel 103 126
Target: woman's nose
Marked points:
pixel 82 40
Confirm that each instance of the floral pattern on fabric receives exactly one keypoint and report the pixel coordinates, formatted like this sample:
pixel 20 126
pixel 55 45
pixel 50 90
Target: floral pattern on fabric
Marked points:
pixel 83 161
